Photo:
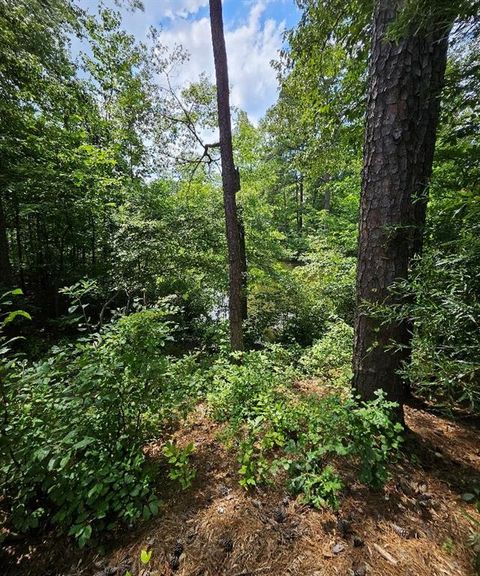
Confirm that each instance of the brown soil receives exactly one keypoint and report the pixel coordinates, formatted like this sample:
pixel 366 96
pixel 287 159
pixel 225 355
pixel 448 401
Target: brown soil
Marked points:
pixel 415 526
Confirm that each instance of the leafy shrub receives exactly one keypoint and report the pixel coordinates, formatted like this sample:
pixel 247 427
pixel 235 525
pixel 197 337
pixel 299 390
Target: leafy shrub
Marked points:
pixel 77 423
pixel 375 438
pixel 441 298
pixel 331 356
pixel 318 488
pixel 179 458
pixel 294 300
pixel 277 429
pixel 239 389
pixel 284 309
pixel 446 312
pixel 303 437
pixel 329 275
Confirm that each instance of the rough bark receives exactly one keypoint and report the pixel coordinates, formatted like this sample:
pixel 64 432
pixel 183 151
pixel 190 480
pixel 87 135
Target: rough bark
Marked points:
pixel 405 80
pixel 5 267
pixel 230 180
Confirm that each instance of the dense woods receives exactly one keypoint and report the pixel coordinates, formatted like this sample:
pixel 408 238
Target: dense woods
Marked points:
pixel 278 321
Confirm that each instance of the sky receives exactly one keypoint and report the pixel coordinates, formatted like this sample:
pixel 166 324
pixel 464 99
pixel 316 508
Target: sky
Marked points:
pixel 253 35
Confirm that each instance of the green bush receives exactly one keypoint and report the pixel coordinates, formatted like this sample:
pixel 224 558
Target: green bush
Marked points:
pixel 284 309
pixel 329 275
pixel 77 423
pixel 294 300
pixel 331 356
pixel 303 437
pixel 275 429
pixel 441 299
pixel 239 389
pixel 179 460
pixel 445 307
pixel 318 488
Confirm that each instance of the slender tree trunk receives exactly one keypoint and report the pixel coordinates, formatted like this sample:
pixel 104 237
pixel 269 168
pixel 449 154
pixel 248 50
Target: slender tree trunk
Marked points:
pixel 230 179
pixel 300 202
pixel 243 253
pixel 94 245
pixel 327 200
pixel 18 232
pixel 406 78
pixel 5 267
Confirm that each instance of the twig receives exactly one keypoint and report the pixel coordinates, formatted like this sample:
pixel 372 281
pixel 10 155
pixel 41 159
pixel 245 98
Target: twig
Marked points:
pixel 189 123
pixel 104 308
pixel 385 554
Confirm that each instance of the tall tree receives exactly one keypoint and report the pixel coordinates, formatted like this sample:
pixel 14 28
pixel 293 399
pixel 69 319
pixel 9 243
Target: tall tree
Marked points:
pixel 406 76
pixel 231 182
pixel 32 60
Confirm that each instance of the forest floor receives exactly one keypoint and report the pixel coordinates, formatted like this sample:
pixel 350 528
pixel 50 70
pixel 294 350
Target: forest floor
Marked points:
pixel 417 525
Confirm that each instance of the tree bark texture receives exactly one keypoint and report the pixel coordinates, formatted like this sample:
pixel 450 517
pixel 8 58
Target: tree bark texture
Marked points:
pixel 406 76
pixel 230 180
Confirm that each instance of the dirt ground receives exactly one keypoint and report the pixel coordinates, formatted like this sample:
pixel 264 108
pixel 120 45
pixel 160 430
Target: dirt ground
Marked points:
pixel 416 526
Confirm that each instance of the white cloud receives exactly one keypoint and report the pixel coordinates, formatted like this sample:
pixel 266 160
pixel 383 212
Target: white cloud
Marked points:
pixel 172 8
pixel 138 22
pixel 251 45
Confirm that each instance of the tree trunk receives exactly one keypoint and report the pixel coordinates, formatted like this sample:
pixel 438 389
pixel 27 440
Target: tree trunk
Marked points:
pixel 327 200
pixel 405 80
pixel 300 202
pixel 243 254
pixel 18 231
pixel 5 267
pixel 230 180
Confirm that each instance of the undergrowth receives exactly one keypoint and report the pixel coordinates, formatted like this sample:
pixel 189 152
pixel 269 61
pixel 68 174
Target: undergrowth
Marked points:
pixel 76 424
pixel 274 428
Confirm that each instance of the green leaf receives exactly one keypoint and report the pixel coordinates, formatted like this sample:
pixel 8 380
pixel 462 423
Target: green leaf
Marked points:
pixel 11 317
pixel 85 442
pixel 64 461
pixel 153 507
pixel 87 532
pixel 145 556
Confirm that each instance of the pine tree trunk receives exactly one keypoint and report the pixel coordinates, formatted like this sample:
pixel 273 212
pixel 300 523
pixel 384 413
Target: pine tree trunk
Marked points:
pixel 230 180
pixel 406 78
pixel 5 267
